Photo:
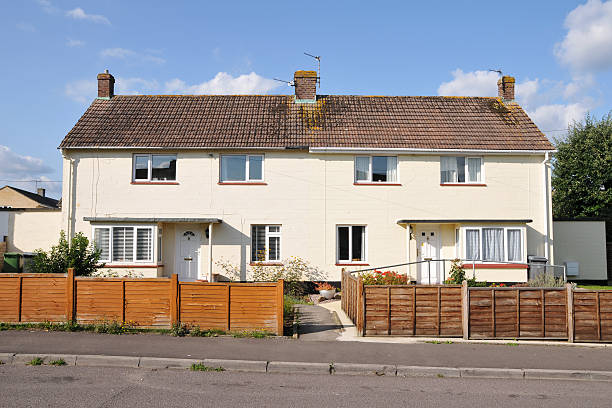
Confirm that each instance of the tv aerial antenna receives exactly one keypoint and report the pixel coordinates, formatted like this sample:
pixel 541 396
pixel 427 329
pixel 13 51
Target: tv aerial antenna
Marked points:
pixel 289 83
pixel 499 71
pixel 318 58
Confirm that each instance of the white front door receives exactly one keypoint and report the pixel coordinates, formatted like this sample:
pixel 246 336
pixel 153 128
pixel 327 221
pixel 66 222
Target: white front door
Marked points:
pixel 188 254
pixel 428 247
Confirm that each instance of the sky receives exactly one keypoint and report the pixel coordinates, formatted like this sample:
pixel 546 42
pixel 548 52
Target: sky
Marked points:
pixel 560 53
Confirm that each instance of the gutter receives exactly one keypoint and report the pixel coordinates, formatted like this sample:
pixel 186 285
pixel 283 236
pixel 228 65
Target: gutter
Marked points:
pixel 365 150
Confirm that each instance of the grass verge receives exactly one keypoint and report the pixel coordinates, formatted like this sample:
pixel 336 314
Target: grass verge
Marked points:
pixel 202 367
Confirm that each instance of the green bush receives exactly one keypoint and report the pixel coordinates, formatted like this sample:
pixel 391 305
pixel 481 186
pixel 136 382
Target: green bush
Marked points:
pixel 80 255
pixel 546 280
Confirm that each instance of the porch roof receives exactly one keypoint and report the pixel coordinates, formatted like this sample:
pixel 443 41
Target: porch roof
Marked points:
pixel 154 219
pixel 462 221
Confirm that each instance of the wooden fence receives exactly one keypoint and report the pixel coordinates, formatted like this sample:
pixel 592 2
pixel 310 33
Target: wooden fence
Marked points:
pixel 478 313
pixel 155 302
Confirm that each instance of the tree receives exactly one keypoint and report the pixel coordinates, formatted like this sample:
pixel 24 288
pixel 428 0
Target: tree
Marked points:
pixel 79 255
pixel 582 172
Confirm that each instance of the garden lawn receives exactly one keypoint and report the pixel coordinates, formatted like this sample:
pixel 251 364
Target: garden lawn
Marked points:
pixel 595 287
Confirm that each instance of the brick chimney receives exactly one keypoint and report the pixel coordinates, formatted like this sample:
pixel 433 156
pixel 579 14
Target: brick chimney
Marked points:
pixel 305 83
pixel 505 88
pixel 106 85
pixel 40 192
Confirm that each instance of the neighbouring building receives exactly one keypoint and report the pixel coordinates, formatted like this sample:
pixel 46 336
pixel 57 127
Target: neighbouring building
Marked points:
pixel 175 183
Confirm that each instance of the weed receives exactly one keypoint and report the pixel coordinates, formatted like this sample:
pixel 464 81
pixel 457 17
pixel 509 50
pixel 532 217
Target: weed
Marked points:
pixel 440 375
pixel 179 330
pixel 58 362
pixel 36 361
pixel 511 344
pixel 2 362
pixel 203 367
pixel 433 342
pixel 197 332
pixel 257 334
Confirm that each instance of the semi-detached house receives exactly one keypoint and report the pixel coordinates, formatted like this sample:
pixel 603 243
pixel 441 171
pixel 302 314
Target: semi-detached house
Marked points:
pixel 175 183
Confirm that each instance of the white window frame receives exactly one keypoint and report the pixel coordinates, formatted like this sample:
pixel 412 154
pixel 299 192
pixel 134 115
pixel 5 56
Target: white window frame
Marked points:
pixel 246 171
pixel 466 171
pixel 481 242
pixel 149 157
pixel 154 249
pixel 365 244
pixel 267 237
pixel 369 180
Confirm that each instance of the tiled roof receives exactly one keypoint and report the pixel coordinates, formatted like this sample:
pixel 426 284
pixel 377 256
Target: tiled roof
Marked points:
pixel 45 201
pixel 276 121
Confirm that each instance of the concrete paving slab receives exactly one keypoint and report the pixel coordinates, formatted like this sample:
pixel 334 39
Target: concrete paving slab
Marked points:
pixel 47 358
pixel 238 365
pixel 107 361
pixel 440 372
pixel 363 369
pixel 298 368
pixel 492 373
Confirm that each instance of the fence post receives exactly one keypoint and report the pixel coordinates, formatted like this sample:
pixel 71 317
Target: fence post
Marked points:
pixel 70 295
pixel 465 309
pixel 280 299
pixel 228 296
pixel 174 300
pixel 570 312
pixel 19 296
pixel 360 318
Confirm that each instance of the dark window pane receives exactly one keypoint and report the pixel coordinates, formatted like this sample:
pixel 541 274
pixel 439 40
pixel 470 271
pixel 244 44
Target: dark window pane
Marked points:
pixel 379 168
pixel 163 167
pixel 343 243
pixel 461 169
pixel 258 243
pixel 357 242
pixel 141 168
pixel 274 252
pixel 255 167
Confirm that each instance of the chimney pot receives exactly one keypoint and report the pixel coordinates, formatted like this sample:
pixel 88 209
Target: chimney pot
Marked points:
pixel 106 85
pixel 505 88
pixel 40 192
pixel 305 83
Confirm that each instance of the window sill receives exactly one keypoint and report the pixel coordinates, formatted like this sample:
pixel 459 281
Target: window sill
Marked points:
pixel 376 184
pixel 494 266
pixel 171 183
pixel 110 266
pixel 463 185
pixel 266 264
pixel 351 264
pixel 242 183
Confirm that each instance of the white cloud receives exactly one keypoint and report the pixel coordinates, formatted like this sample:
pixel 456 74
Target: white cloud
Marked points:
pixel 17 170
pixel 587 46
pixel 27 27
pixel 82 90
pixel 47 6
pixel 79 14
pixel 224 83
pixel 557 117
pixel 475 83
pixel 123 53
pixel 75 43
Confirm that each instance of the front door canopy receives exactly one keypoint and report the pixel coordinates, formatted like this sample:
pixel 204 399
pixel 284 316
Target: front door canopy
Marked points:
pixel 457 221
pixel 154 219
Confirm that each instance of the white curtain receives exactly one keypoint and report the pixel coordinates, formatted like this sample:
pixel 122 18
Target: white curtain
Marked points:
pixel 474 169
pixel 514 245
pixel 448 169
pixel 493 244
pixel 391 169
pixel 362 168
pixel 472 244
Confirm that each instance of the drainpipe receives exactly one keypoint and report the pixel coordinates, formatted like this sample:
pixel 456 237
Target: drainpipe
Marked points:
pixel 68 203
pixel 546 215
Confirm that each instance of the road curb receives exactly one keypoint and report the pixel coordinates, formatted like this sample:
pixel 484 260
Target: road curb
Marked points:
pixel 286 367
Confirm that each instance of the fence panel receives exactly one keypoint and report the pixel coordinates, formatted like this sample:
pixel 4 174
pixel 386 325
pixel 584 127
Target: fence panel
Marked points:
pixel 517 313
pixel 349 295
pixel 254 307
pixel 204 305
pixel 10 292
pixel 413 310
pixel 43 299
pixel 98 300
pixel 147 303
pixel 592 315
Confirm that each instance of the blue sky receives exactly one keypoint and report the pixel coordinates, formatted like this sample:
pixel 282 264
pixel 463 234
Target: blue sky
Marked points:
pixel 559 51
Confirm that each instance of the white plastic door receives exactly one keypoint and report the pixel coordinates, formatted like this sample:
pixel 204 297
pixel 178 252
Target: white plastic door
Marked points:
pixel 428 246
pixel 188 254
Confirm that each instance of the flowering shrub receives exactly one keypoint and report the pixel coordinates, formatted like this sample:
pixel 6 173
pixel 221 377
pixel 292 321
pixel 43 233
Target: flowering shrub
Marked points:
pixel 323 286
pixel 384 278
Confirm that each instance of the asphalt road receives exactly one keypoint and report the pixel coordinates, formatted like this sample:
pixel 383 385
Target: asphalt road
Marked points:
pixel 284 349
pixel 44 386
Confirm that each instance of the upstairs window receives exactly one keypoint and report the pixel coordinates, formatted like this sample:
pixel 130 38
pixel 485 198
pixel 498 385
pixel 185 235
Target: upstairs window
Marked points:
pixel 460 169
pixel 241 167
pixel 265 243
pixel 375 169
pixel 154 167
